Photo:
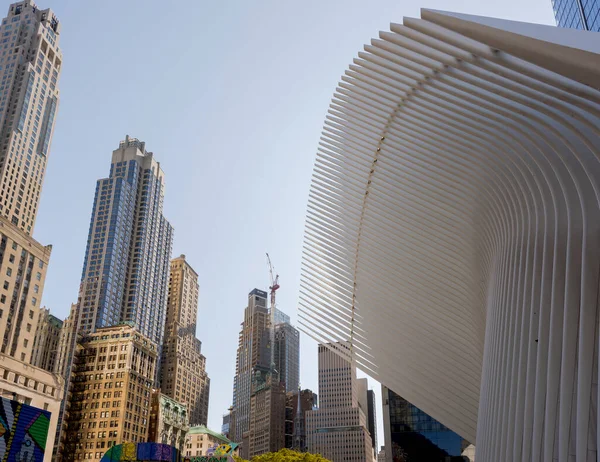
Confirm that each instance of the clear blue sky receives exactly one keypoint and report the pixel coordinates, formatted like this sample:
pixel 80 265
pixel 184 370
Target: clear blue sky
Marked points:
pixel 231 98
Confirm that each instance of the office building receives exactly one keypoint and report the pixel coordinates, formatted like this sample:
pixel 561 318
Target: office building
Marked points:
pixel 381 455
pixel 23 264
pixel 169 421
pixel 266 432
pixel 372 418
pixel 338 429
pixel 113 378
pixel 252 351
pixel 299 403
pixel 279 317
pixel 287 355
pixel 183 376
pixel 65 342
pixel 30 65
pixel 201 439
pixel 577 14
pixel 464 152
pixel 366 401
pixel 226 425
pixel 126 266
pixel 413 434
pixel 47 340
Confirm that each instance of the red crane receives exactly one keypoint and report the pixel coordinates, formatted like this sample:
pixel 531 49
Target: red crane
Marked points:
pixel 274 283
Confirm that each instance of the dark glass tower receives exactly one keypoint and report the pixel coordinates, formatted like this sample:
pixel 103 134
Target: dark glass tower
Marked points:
pixel 411 434
pixel 287 355
pixel 577 14
pixel 371 417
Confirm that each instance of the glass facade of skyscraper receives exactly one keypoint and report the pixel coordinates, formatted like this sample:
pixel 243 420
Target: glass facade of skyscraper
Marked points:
pixel 577 14
pixel 287 355
pixel 126 266
pixel 416 435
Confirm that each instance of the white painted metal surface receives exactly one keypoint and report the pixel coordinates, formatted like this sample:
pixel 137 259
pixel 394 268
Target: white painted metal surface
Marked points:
pixel 453 229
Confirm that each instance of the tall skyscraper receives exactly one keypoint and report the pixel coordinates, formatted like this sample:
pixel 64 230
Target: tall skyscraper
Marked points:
pixel 252 351
pixel 126 266
pixel 30 62
pixel 338 429
pixel 112 386
pixel 287 355
pixel 183 376
pixel 30 65
pixel 577 14
pixel 411 434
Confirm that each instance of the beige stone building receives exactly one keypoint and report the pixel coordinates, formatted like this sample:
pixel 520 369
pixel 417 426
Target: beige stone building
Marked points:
pixel 23 264
pixel 47 339
pixel 66 343
pixel 27 109
pixel 200 439
pixel 338 429
pixel 252 352
pixel 34 386
pixel 267 416
pixel 183 374
pixel 29 74
pixel 110 397
pixel 169 421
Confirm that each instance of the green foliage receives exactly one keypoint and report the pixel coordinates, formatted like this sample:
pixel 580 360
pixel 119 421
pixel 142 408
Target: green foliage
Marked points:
pixel 285 455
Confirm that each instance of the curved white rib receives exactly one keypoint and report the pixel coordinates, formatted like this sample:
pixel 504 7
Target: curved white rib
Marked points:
pixel 453 229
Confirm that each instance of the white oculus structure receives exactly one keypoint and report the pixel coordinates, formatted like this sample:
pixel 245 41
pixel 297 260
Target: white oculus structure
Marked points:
pixel 453 229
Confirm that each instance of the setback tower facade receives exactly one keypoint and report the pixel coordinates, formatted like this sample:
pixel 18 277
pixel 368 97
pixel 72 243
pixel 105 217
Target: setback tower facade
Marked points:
pixel 252 352
pixel 183 375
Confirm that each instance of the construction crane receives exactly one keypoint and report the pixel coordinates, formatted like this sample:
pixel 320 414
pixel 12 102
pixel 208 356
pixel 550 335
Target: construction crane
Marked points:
pixel 274 282
pixel 273 288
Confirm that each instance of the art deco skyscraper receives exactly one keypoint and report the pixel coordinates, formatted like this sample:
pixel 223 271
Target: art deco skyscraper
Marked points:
pixel 30 63
pixel 183 375
pixel 252 351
